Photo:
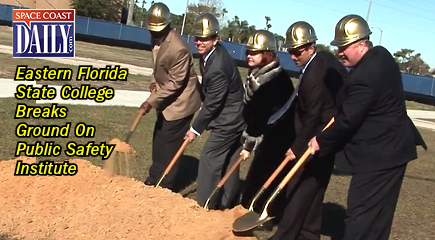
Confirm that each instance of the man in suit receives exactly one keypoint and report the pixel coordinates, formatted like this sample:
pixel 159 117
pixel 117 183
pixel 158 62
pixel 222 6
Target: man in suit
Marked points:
pixel 176 97
pixel 221 113
pixel 374 137
pixel 321 78
pixel 269 130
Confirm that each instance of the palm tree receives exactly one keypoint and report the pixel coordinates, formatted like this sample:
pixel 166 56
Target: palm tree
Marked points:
pixel 268 25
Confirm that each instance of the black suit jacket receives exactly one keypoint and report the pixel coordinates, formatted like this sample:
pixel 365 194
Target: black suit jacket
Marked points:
pixel 223 90
pixel 268 99
pixel 372 131
pixel 316 101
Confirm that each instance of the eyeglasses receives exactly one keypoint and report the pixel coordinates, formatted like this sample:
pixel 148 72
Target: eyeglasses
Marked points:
pixel 296 52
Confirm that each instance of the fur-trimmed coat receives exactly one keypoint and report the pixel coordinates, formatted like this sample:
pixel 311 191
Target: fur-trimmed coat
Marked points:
pixel 267 90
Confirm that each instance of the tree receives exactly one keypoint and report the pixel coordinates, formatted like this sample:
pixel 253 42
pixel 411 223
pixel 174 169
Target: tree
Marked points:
pixel 403 55
pixel 323 47
pixel 214 7
pixel 279 40
pixel 177 22
pixel 140 12
pixel 410 62
pixel 268 25
pixel 217 9
pixel 237 30
pixel 109 10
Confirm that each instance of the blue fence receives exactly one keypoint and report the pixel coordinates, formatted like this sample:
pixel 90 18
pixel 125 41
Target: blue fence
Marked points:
pixel 419 87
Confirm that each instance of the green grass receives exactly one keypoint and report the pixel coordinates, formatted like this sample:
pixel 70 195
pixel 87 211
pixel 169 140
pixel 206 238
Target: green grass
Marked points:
pixel 415 211
pixel 419 106
pixel 110 122
pixel 8 67
pixel 135 57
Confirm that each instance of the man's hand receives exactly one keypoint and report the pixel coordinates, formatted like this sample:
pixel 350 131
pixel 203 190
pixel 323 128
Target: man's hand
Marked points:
pixel 245 154
pixel 190 136
pixel 145 108
pixel 290 153
pixel 153 87
pixel 314 145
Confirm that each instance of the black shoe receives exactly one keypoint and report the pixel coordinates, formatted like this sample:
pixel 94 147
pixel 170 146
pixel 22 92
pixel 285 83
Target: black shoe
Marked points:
pixel 149 183
pixel 267 226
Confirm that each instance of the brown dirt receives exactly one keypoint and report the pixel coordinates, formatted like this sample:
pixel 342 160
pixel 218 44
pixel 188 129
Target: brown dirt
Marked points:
pixel 94 205
pixel 122 157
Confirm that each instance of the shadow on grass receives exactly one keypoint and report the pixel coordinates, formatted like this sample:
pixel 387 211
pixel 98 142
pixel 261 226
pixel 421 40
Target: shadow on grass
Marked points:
pixel 338 173
pixel 420 178
pixel 188 172
pixel 333 220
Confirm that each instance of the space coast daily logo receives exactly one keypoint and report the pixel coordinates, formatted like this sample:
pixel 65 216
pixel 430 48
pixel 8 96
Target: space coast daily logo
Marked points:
pixel 43 33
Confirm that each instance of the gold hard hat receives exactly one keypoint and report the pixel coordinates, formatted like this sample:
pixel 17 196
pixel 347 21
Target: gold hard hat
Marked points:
pixel 205 25
pixel 261 40
pixel 349 29
pixel 157 17
pixel 298 34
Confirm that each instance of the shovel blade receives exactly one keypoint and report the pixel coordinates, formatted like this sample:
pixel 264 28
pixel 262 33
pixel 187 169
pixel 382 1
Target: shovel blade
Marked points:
pixel 249 221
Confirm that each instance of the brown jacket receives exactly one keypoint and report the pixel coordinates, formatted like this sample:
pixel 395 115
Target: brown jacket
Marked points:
pixel 177 94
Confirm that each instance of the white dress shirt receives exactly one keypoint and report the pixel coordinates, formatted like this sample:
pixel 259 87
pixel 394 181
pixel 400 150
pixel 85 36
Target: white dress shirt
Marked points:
pixel 205 61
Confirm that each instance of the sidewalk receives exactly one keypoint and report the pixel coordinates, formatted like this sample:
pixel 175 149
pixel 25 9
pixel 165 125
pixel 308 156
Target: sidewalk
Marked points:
pixel 136 98
pixel 76 61
pixel 121 98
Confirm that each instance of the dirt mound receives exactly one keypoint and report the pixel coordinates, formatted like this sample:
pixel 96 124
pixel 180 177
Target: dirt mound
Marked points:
pixel 94 205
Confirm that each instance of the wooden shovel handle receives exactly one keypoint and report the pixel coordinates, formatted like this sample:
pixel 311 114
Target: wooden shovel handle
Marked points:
pixel 139 116
pixel 329 124
pixel 136 121
pixel 276 172
pixel 300 162
pixel 285 162
pixel 177 155
pixel 230 171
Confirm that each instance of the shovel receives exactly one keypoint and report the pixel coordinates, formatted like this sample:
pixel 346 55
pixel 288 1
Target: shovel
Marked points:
pixel 269 181
pixel 133 126
pixel 251 219
pixel 224 179
pixel 173 161
pixel 123 152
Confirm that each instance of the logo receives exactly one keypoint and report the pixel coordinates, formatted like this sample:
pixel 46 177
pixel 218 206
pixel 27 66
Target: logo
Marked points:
pixel 43 33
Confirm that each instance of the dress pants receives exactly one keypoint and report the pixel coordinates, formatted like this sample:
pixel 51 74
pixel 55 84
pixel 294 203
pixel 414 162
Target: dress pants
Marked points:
pixel 219 154
pixel 302 217
pixel 371 204
pixel 167 139
pixel 269 155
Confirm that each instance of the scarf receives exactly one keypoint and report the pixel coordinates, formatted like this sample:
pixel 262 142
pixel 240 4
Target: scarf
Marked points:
pixel 260 76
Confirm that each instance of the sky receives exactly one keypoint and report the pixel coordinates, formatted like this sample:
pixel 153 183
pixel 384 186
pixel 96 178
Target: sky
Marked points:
pixel 404 23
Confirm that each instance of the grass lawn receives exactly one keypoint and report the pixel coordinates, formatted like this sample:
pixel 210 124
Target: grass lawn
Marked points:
pixel 418 106
pixel 135 57
pixel 8 67
pixel 415 211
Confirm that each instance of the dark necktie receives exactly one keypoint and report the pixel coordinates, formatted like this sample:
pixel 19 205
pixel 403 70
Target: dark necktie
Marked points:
pixel 201 66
